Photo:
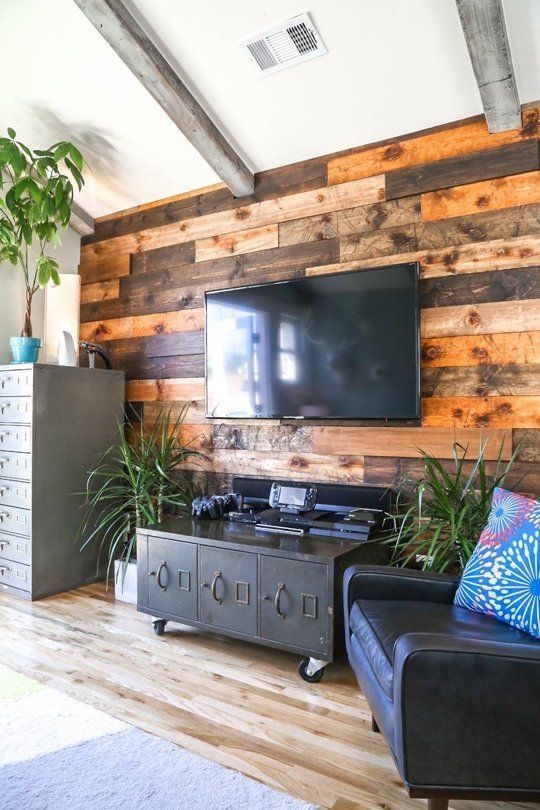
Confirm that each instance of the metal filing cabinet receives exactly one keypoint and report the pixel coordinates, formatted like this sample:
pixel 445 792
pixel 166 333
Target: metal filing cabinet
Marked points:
pixel 54 422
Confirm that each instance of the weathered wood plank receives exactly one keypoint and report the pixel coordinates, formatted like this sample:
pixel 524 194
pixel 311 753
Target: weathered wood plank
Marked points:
pixel 264 438
pixel 269 212
pixel 488 195
pixel 194 416
pixel 366 219
pixel 484 27
pixel 481 412
pixel 99 291
pixel 435 146
pixel 231 244
pixel 308 229
pixel 513 158
pixel 130 355
pixel 161 259
pixel 481 381
pixel 143 325
pixel 392 442
pixel 528 444
pixel 387 242
pixel 472 350
pixel 180 343
pixel 478 288
pixel 171 390
pixel 101 268
pixel 483 319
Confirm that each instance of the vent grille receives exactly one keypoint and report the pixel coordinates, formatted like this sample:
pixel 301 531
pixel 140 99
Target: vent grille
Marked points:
pixel 284 45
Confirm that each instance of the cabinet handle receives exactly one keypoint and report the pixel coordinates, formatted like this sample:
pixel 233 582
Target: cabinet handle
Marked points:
pixel 4 433
pixel 4 516
pixel 5 380
pixel 162 565
pixel 5 405
pixel 217 576
pixel 5 488
pixel 280 613
pixel 3 461
pixel 4 544
pixel 4 570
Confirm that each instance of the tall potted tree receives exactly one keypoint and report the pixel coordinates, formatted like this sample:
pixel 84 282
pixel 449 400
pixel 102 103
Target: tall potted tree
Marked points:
pixel 36 195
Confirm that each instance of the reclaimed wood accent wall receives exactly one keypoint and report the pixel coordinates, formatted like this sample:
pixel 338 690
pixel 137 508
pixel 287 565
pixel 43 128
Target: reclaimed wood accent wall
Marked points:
pixel 464 203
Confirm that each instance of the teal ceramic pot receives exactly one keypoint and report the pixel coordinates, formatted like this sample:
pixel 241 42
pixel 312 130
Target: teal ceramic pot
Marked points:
pixel 25 349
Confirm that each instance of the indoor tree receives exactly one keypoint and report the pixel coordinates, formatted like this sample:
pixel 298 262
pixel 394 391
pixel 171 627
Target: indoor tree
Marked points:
pixel 36 195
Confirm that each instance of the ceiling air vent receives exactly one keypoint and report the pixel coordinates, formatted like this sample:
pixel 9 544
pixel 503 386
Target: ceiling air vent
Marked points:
pixel 285 45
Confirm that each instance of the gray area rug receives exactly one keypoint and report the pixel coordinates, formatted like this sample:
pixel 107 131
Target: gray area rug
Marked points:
pixel 59 754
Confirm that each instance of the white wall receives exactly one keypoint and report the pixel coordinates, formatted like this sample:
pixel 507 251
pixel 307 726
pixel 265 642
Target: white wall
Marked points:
pixel 12 293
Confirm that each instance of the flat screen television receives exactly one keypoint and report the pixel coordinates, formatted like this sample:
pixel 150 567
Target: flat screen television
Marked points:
pixel 340 346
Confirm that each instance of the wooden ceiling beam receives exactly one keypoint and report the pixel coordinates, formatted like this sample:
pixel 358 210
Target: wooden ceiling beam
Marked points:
pixel 124 34
pixel 487 40
pixel 81 222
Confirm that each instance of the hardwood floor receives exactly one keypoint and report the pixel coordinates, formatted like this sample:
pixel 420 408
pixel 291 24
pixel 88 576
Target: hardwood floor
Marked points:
pixel 235 703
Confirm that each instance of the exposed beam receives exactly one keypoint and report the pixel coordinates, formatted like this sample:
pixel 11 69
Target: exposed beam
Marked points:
pixel 80 221
pixel 487 40
pixel 124 34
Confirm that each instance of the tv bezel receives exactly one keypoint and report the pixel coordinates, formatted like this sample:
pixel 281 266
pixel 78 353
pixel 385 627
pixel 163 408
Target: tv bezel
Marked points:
pixel 393 419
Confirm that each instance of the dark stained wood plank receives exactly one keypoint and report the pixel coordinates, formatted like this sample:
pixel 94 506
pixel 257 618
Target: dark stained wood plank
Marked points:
pixel 479 227
pixel 152 261
pixel 181 343
pixel 478 288
pixel 130 355
pixel 513 158
pixel 481 381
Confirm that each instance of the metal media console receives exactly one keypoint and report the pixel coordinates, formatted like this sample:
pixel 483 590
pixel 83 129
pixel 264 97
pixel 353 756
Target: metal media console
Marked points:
pixel 274 589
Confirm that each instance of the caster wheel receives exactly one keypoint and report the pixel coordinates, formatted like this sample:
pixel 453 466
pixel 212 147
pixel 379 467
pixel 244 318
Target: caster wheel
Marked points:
pixel 302 671
pixel 159 627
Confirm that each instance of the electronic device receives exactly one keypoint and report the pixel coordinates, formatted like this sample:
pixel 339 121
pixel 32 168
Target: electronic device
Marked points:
pixel 340 346
pixel 293 498
pixel 215 506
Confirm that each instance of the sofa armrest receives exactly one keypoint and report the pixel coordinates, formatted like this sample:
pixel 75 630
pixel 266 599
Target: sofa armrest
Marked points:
pixel 467 712
pixel 384 582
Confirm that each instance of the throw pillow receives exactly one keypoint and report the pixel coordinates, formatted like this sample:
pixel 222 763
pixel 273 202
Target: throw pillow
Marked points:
pixel 502 578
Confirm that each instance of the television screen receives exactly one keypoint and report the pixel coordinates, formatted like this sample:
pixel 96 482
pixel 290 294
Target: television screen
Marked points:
pixel 341 346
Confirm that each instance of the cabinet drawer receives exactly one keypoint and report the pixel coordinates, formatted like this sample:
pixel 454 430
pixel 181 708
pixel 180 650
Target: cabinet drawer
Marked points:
pixel 229 589
pixel 16 409
pixel 16 520
pixel 15 437
pixel 294 603
pixel 172 577
pixel 15 548
pixel 16 382
pixel 15 465
pixel 15 493
pixel 14 574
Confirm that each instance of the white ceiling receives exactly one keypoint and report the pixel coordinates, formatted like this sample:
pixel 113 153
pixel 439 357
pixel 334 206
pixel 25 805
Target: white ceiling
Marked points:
pixel 394 66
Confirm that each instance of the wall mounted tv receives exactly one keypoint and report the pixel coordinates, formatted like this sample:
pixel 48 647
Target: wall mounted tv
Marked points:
pixel 341 346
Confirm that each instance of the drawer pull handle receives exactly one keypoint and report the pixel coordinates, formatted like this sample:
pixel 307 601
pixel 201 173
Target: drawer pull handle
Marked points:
pixel 3 461
pixel 4 544
pixel 163 565
pixel 4 570
pixel 5 405
pixel 277 605
pixel 4 516
pixel 4 433
pixel 217 576
pixel 5 380
pixel 3 489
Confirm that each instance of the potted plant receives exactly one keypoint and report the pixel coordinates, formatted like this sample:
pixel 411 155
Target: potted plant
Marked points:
pixel 133 484
pixel 36 195
pixel 438 518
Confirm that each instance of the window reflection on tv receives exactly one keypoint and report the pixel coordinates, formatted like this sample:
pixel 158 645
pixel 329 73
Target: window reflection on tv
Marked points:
pixel 341 346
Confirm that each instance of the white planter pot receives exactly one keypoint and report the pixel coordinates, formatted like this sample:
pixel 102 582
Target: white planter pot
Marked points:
pixel 126 590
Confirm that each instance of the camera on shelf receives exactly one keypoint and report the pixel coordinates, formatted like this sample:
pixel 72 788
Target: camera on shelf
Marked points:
pixel 211 507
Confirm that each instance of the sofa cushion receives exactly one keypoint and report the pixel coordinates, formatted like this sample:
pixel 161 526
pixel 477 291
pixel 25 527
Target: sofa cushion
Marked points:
pixel 377 625
pixel 502 578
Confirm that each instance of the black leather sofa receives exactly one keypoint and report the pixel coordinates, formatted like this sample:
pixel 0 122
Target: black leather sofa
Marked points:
pixel 455 694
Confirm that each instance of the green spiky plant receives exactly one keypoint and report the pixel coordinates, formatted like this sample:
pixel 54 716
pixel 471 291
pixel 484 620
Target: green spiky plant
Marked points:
pixel 438 518
pixel 36 195
pixel 133 484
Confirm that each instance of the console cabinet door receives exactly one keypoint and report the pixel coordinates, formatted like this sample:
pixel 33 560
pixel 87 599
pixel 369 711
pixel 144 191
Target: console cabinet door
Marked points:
pixel 294 603
pixel 172 577
pixel 229 589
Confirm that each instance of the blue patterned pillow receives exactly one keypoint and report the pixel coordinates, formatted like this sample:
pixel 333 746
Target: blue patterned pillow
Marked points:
pixel 502 578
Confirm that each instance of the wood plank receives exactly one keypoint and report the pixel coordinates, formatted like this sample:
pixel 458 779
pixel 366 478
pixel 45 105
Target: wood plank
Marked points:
pixel 481 412
pixel 482 381
pixel 231 244
pixel 308 229
pixel 264 438
pixel 499 254
pixel 485 32
pixel 308 467
pixel 477 288
pixel 461 140
pixel 164 345
pixel 127 38
pixel 165 390
pixel 483 319
pixel 183 320
pixel 513 158
pixel 101 268
pixel 268 212
pixel 388 242
pixel 488 195
pixel 130 355
pixel 528 444
pixel 99 291
pixel 392 442
pixel 471 350
pixel 365 219
pixel 195 414
pixel 167 258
